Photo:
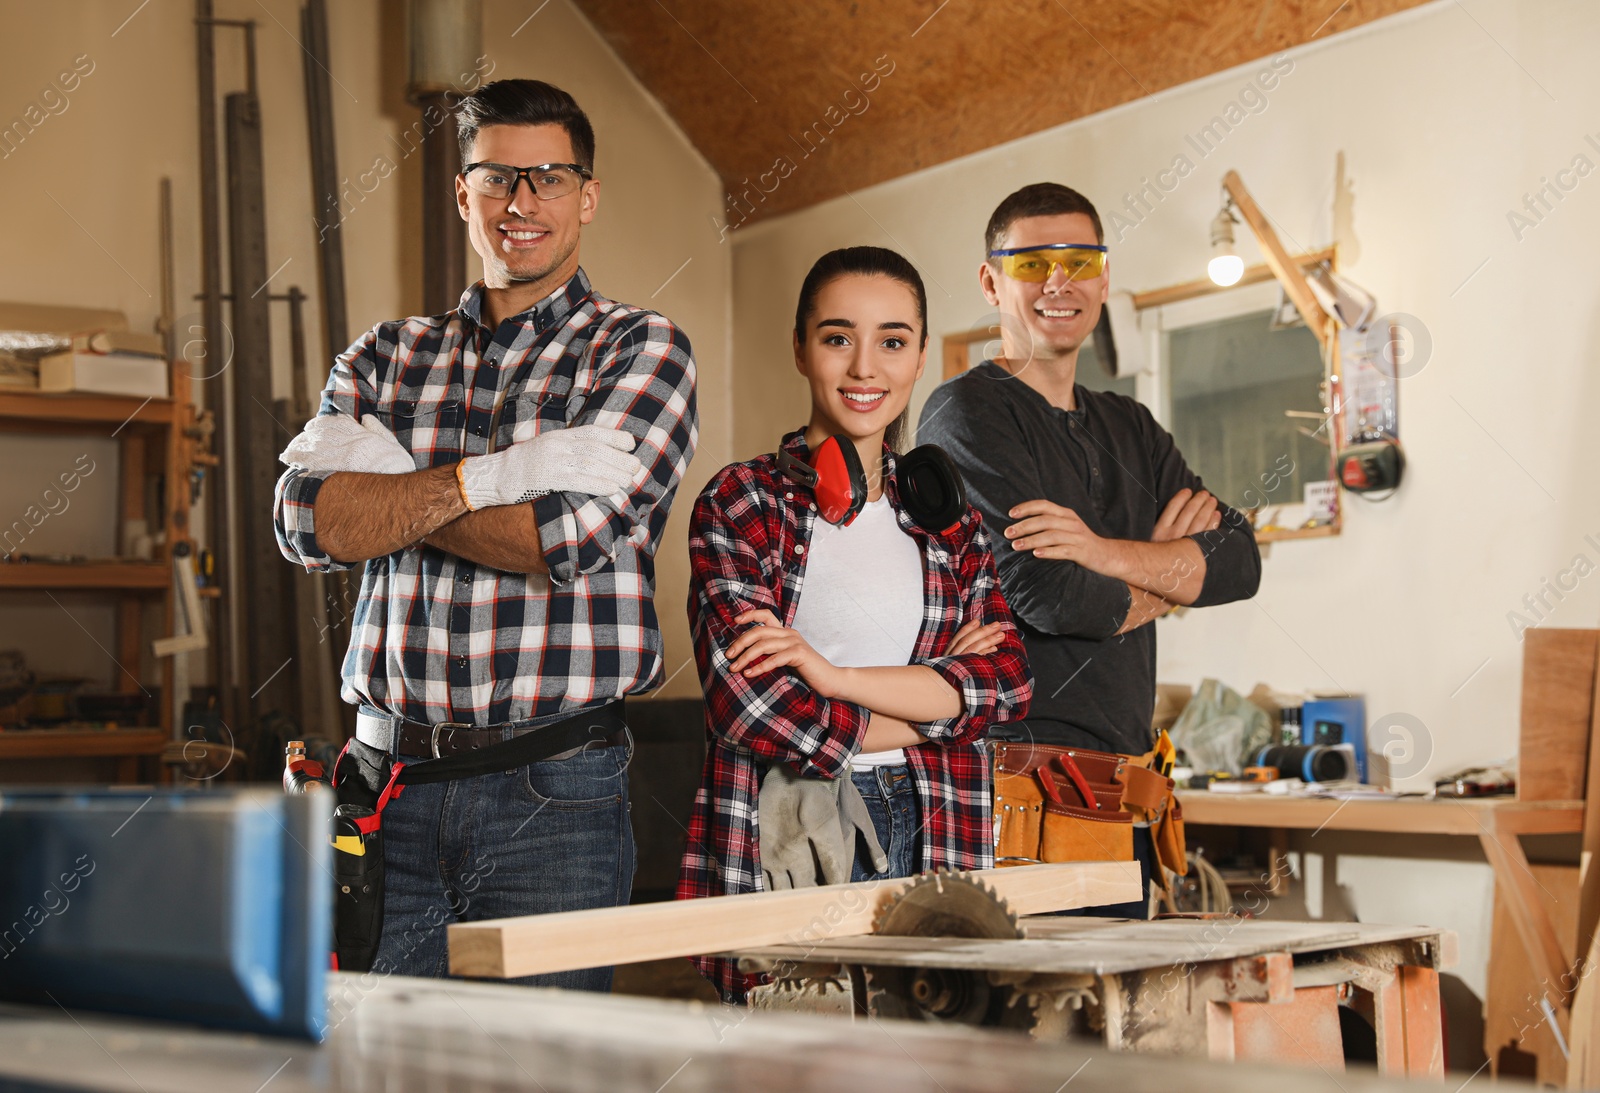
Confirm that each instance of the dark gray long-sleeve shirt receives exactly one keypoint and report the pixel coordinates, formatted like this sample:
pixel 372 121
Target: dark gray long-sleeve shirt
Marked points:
pixel 1116 468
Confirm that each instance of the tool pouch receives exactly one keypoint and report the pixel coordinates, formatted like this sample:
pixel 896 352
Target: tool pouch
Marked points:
pixel 1055 803
pixel 364 782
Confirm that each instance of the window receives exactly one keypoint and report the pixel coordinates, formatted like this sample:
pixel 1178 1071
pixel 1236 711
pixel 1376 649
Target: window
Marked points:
pixel 1225 384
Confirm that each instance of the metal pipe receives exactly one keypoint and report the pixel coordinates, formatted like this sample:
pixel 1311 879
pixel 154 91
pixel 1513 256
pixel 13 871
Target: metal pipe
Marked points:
pixel 223 673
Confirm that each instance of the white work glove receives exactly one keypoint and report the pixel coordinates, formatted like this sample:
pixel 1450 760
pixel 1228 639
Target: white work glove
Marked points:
pixel 335 442
pixel 585 459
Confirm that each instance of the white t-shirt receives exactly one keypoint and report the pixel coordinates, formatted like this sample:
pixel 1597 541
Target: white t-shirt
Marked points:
pixel 861 599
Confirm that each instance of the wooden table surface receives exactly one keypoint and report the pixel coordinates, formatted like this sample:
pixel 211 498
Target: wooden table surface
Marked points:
pixel 1409 815
pixel 1102 946
pixel 405 1034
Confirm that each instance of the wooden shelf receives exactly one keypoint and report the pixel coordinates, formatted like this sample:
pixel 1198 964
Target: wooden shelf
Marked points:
pixel 1279 535
pixel 76 744
pixel 36 411
pixel 130 576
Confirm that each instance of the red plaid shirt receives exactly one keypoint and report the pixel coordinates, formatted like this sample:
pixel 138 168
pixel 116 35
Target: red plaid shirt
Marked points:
pixel 747 548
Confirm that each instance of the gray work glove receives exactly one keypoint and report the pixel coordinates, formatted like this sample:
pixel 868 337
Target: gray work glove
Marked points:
pixel 801 841
pixel 853 819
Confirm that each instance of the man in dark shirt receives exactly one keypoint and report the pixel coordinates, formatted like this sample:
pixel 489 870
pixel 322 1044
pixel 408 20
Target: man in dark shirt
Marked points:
pixel 1109 529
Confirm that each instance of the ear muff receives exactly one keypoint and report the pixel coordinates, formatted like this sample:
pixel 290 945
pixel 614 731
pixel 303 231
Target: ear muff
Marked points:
pixel 835 476
pixel 931 489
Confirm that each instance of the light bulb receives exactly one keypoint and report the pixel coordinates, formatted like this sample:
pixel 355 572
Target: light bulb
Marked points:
pixel 1225 269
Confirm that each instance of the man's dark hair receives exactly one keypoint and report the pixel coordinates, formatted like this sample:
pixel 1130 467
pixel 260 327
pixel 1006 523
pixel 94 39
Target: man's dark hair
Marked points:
pixel 1039 199
pixel 524 102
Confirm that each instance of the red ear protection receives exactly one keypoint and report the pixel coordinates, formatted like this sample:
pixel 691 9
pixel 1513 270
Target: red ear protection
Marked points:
pixel 834 474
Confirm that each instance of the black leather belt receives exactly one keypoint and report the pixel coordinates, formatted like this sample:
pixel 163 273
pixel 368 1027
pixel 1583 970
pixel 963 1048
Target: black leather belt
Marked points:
pixel 601 727
pixel 419 741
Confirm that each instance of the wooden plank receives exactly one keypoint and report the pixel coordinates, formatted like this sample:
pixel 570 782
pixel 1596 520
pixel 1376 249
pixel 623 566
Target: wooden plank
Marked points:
pixel 1283 267
pixel 1205 286
pixel 1557 708
pixel 400 1033
pixel 1282 535
pixel 1589 877
pixel 62 744
pixel 147 576
pixel 32 407
pixel 1583 1068
pixel 1539 941
pixel 1512 1018
pixel 59 319
pixel 1412 815
pixel 534 944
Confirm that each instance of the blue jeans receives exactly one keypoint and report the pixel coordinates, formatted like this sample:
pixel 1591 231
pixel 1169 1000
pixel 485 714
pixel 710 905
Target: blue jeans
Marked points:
pixel 550 836
pixel 891 797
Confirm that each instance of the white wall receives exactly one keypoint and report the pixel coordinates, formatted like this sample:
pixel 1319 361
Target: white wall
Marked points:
pixel 1446 120
pixel 78 220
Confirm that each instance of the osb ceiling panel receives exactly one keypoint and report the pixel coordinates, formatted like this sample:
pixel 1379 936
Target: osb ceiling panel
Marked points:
pixel 797 101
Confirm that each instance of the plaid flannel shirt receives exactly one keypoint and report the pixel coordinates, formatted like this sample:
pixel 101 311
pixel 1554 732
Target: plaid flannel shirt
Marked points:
pixel 747 546
pixel 438 638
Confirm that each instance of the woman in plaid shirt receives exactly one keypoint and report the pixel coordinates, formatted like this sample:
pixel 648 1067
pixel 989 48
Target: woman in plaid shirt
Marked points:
pixel 850 671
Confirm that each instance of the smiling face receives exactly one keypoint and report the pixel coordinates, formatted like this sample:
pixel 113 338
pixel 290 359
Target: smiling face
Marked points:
pixel 862 354
pixel 525 241
pixel 1049 320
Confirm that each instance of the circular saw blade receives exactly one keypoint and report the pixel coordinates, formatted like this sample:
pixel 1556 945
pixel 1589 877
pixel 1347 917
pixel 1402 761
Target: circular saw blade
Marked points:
pixel 946 905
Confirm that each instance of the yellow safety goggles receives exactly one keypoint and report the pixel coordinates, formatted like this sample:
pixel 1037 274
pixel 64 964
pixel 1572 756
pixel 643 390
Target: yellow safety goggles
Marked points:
pixel 1079 261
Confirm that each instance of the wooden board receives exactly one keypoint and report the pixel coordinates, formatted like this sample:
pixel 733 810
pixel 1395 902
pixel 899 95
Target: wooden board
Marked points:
pixel 1512 1019
pixel 399 1033
pixel 67 744
pixel 1283 267
pixel 1557 697
pixel 535 944
pixel 57 319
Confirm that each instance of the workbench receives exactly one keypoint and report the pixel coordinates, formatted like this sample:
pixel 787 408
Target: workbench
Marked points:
pixel 1223 988
pixel 400 1034
pixel 1498 823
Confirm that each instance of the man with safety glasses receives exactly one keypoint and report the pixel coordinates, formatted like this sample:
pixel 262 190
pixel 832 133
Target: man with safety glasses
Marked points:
pixel 503 472
pixel 1108 528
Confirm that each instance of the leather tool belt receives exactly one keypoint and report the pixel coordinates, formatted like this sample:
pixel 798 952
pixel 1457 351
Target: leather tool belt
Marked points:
pixel 366 779
pixel 1054 803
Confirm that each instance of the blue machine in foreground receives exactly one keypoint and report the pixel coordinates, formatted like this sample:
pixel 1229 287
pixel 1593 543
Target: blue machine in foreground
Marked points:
pixel 206 907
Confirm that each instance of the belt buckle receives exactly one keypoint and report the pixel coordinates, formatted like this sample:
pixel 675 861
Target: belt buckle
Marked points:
pixel 433 741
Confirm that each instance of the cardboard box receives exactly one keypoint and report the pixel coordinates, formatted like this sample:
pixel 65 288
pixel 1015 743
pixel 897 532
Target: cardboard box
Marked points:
pixel 104 374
